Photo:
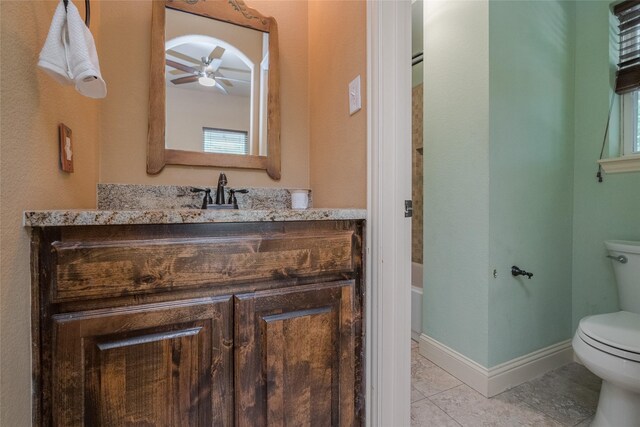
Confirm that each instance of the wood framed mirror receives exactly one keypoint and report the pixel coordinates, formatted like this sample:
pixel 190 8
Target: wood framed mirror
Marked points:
pixel 214 87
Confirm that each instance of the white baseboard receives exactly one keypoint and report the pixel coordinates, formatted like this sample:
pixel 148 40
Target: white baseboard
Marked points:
pixel 458 365
pixel 497 379
pixel 529 366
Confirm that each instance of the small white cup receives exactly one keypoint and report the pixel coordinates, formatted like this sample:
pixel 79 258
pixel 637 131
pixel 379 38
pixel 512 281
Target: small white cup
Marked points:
pixel 299 199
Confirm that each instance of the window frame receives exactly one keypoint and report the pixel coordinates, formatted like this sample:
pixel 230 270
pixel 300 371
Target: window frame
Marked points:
pixel 627 159
pixel 629 124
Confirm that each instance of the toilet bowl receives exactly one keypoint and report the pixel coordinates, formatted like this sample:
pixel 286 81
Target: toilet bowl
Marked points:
pixel 617 361
pixel 609 344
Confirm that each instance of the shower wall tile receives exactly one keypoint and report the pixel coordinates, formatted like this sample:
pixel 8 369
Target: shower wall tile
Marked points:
pixel 416 187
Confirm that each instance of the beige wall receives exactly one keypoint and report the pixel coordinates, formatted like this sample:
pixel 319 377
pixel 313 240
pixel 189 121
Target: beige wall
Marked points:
pixel 31 106
pixel 337 54
pixel 190 110
pixel 323 47
pixel 317 62
pixel 124 52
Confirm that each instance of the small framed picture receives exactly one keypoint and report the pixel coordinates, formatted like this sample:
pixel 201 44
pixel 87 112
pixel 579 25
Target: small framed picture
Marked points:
pixel 66 149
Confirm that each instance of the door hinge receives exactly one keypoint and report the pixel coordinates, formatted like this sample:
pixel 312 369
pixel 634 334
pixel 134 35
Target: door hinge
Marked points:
pixel 408 208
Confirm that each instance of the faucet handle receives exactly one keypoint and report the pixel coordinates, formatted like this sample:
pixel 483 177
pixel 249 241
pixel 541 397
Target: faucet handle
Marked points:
pixel 207 200
pixel 232 196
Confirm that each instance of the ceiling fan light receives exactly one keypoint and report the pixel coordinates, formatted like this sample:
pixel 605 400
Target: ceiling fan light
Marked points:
pixel 207 81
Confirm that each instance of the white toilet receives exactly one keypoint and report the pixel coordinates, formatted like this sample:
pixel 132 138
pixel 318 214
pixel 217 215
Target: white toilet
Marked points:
pixel 609 344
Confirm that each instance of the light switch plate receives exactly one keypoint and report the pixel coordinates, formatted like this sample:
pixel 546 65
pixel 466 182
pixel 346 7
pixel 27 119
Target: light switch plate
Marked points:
pixel 66 148
pixel 355 101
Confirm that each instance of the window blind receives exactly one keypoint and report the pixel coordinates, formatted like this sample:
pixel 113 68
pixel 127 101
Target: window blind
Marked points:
pixel 225 141
pixel 628 75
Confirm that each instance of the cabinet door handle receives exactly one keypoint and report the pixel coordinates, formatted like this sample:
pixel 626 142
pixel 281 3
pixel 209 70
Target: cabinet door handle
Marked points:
pixel 144 339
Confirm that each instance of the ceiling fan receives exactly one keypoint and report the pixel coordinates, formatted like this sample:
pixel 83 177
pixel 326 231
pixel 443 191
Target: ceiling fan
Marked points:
pixel 206 73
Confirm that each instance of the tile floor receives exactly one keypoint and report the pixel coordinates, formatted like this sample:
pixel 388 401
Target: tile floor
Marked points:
pixel 567 396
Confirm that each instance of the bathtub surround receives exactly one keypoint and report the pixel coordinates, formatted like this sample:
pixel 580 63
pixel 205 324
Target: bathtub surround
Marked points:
pixel 416 308
pixel 417 191
pixel 416 300
pixel 154 197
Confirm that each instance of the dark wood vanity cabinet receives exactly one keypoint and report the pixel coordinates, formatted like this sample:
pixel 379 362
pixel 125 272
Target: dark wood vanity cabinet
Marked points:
pixel 155 364
pixel 249 324
pixel 295 356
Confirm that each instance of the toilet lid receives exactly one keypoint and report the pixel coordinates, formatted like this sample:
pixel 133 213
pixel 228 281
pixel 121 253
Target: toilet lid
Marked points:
pixel 620 331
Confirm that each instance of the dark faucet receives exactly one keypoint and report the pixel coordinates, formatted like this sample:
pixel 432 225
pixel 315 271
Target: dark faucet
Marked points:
pixel 222 182
pixel 207 202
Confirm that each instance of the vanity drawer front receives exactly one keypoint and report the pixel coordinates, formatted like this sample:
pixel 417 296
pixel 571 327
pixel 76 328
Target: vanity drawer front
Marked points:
pixel 96 269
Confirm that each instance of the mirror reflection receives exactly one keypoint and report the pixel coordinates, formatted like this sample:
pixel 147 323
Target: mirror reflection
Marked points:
pixel 216 78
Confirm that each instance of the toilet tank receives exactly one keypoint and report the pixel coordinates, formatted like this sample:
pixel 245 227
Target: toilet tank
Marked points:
pixel 627 274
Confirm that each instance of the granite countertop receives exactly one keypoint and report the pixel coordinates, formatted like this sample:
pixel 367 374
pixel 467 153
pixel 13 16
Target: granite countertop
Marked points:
pixel 58 218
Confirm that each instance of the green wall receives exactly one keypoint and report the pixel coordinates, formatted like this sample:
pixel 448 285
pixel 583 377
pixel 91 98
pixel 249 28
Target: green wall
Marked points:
pixel 456 176
pixel 607 210
pixel 531 174
pixel 511 180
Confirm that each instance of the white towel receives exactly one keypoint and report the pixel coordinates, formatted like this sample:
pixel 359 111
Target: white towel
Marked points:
pixel 53 57
pixel 82 56
pixel 69 53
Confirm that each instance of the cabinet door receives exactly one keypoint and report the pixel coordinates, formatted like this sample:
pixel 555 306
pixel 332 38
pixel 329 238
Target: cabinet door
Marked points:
pixel 165 364
pixel 295 356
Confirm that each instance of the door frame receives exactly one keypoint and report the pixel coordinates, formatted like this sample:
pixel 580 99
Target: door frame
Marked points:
pixel 388 231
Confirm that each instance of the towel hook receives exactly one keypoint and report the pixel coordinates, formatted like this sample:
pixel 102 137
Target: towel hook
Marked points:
pixel 87 14
pixel 87 8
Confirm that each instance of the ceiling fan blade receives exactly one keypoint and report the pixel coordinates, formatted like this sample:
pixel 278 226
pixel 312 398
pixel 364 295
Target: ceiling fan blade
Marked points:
pixel 214 64
pixel 219 76
pixel 221 88
pixel 176 72
pixel 217 53
pixel 182 67
pixel 225 81
pixel 184 57
pixel 235 70
pixel 234 80
pixel 183 80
